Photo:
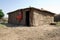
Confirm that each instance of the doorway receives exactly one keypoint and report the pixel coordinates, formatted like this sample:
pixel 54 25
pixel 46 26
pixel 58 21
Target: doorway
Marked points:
pixel 27 18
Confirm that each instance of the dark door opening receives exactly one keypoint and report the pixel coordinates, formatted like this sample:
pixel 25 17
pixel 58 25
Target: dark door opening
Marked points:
pixel 27 18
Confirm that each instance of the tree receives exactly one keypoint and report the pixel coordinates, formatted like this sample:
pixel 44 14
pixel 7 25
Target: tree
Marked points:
pixel 1 14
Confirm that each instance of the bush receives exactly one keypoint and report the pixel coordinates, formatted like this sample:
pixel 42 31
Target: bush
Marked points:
pixel 1 14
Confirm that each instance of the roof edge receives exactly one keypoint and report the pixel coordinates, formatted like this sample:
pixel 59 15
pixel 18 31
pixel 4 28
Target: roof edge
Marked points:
pixel 32 8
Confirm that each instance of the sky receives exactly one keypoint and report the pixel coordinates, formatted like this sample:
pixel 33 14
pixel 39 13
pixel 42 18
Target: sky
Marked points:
pixel 11 5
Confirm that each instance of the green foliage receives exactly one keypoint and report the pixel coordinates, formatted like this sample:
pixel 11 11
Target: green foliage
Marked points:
pixel 58 23
pixel 1 14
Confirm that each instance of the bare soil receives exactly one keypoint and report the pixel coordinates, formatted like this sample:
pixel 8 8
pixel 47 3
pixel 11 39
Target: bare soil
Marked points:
pixel 46 32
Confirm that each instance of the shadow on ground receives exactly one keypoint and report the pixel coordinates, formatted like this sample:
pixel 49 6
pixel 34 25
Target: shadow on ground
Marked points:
pixel 12 25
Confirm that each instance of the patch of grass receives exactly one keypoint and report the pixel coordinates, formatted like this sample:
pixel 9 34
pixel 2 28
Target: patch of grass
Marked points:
pixel 58 23
pixel 1 25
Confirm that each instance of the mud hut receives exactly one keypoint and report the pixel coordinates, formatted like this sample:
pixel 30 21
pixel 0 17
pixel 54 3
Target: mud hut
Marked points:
pixel 30 17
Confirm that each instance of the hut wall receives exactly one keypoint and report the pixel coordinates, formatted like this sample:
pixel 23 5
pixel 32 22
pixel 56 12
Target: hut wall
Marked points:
pixel 12 17
pixel 42 18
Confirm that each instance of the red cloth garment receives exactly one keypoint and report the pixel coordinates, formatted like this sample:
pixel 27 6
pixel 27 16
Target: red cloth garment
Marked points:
pixel 19 17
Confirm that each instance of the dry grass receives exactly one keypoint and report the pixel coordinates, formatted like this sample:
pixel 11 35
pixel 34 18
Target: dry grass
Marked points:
pixel 45 32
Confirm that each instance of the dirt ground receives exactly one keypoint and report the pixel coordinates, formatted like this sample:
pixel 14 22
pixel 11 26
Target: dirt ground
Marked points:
pixel 45 32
